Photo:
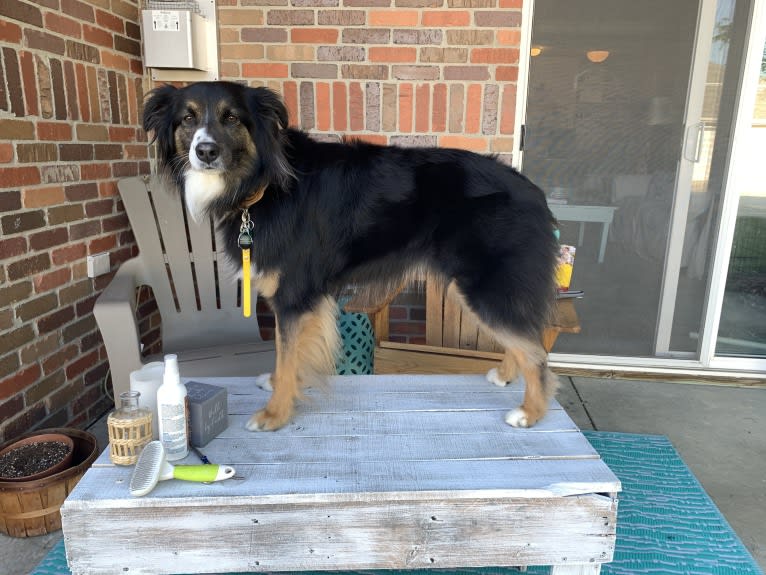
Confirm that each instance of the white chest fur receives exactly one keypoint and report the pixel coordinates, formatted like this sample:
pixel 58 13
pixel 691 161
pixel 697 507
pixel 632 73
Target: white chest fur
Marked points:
pixel 200 188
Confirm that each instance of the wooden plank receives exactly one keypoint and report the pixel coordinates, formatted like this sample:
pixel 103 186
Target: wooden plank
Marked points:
pixel 247 536
pixel 451 322
pixel 434 312
pixel 283 482
pixel 389 360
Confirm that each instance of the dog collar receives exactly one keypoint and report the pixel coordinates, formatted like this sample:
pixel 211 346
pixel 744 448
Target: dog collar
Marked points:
pixel 253 198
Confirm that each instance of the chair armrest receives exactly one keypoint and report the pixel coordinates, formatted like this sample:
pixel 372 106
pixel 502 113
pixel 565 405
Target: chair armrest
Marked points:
pixel 115 313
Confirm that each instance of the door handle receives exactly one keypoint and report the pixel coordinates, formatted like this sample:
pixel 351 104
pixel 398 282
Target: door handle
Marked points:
pixel 694 141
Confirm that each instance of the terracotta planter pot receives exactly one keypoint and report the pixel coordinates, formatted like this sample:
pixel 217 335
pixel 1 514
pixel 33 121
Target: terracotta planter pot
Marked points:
pixel 42 438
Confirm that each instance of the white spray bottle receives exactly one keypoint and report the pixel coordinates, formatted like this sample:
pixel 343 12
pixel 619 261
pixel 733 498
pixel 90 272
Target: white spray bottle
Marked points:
pixel 171 411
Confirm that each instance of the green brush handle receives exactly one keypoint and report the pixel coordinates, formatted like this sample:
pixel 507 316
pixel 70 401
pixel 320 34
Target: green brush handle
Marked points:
pixel 203 473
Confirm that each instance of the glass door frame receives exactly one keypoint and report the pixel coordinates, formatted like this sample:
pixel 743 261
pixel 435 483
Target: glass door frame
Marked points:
pixel 744 114
pixel 707 360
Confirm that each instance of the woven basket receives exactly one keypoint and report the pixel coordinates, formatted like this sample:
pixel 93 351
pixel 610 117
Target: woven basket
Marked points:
pixel 30 508
pixel 127 437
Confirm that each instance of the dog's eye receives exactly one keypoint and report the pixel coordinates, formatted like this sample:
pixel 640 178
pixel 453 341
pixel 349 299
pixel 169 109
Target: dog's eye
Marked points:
pixel 188 119
pixel 231 119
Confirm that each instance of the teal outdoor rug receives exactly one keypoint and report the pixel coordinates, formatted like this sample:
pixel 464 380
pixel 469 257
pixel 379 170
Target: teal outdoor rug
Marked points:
pixel 666 523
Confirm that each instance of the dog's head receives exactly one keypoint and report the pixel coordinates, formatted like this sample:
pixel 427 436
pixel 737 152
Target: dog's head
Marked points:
pixel 220 141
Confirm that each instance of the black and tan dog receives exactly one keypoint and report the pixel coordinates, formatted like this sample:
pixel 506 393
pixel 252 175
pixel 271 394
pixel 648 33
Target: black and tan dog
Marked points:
pixel 326 215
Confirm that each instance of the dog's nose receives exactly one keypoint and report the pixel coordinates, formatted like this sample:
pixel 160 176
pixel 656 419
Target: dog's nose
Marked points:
pixel 207 152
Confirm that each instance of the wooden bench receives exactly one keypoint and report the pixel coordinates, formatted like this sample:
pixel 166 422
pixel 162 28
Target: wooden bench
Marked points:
pixel 454 341
pixel 380 472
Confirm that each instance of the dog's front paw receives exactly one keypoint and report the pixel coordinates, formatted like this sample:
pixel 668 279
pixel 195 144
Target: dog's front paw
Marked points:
pixel 263 382
pixel 493 377
pixel 264 420
pixel 517 418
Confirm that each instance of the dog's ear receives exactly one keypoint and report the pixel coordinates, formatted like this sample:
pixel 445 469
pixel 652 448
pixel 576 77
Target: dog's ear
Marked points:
pixel 270 121
pixel 158 118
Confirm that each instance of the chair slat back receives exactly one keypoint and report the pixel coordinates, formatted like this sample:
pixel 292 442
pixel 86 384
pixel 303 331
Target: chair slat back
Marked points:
pixel 195 285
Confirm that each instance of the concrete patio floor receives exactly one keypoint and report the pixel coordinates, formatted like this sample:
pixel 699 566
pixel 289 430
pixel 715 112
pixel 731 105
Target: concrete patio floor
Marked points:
pixel 719 431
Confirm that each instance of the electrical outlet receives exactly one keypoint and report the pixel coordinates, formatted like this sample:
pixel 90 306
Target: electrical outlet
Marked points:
pixel 98 264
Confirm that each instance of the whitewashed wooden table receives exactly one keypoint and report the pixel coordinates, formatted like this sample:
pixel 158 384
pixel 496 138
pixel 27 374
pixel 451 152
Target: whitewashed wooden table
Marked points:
pixel 377 472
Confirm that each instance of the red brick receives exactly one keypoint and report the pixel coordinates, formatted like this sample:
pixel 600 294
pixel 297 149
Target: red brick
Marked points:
pixel 60 131
pixel 323 106
pixel 390 55
pixel 422 107
pixel 83 363
pixel 443 18
pixel 52 280
pixel 110 21
pixel 17 382
pixel 29 266
pixel 48 238
pixel 250 70
pixel 508 109
pixel 10 201
pixel 55 320
pixel 392 18
pixel 13 78
pixel 82 92
pixel 102 244
pixel 42 197
pixel 68 254
pixel 314 35
pixel 339 107
pixel 6 153
pixel 507 73
pixel 356 106
pixel 473 109
pixel 29 79
pixel 405 108
pixel 24 176
pixel 22 222
pixel 439 119
pixel 21 11
pixel 62 25
pixel 495 55
pixel 57 360
pixel 9 32
pixel 12 247
pixel 290 96
pixel 509 37
pixel 475 144
pixel 99 208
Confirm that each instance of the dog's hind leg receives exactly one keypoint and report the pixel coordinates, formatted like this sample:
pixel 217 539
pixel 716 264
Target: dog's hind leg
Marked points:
pixel 528 358
pixel 306 351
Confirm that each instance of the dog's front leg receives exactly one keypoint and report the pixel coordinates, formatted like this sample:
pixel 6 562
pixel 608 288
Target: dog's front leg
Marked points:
pixel 284 383
pixel 306 345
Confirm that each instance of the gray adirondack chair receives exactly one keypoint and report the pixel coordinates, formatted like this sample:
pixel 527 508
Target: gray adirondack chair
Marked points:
pixel 195 287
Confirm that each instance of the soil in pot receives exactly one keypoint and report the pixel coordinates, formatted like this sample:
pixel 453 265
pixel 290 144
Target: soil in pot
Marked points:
pixel 34 459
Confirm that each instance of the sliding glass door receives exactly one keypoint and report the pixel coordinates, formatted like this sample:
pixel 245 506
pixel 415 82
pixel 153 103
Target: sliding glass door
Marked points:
pixel 628 125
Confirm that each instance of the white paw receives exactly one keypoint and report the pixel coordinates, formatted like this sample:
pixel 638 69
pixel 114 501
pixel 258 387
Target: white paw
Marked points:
pixel 263 381
pixel 252 424
pixel 517 418
pixel 493 377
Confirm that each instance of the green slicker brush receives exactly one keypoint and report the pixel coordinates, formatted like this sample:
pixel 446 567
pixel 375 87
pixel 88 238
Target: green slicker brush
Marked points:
pixel 153 467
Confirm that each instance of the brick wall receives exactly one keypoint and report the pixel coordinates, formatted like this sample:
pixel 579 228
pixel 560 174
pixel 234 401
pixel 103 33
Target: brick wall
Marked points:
pixel 407 72
pixel 70 86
